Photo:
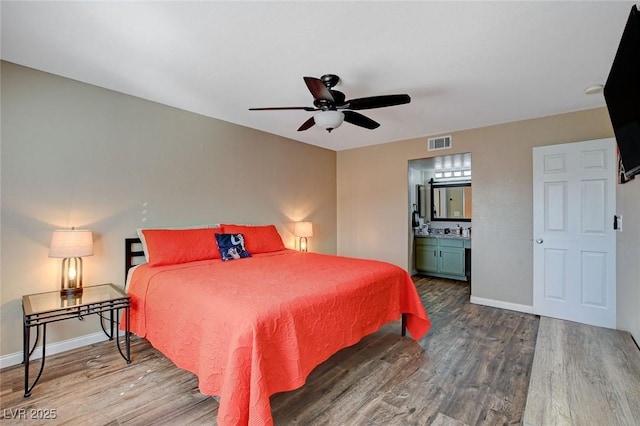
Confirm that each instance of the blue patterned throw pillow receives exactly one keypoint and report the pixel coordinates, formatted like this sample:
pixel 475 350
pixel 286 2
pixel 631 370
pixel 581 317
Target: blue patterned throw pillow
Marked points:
pixel 231 246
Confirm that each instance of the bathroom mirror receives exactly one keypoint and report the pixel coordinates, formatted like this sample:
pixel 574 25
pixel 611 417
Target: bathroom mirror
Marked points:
pixel 451 202
pixel 421 195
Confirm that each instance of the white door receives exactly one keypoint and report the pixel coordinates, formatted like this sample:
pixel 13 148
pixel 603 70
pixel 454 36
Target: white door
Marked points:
pixel 574 245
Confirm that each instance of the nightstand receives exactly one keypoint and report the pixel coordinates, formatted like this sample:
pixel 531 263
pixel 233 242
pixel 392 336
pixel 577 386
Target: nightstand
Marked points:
pixel 43 308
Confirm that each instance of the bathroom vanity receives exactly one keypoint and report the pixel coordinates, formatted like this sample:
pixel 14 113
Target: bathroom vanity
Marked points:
pixel 443 255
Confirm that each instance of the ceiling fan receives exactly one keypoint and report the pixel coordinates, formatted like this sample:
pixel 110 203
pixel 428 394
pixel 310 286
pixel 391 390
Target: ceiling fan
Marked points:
pixel 333 107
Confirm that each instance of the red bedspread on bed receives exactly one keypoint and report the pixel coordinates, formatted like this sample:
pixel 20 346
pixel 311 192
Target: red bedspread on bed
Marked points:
pixel 253 327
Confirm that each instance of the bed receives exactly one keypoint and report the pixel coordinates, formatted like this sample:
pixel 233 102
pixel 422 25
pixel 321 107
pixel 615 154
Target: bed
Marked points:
pixel 258 325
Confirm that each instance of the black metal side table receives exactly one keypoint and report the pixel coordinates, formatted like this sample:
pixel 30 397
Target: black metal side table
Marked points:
pixel 43 308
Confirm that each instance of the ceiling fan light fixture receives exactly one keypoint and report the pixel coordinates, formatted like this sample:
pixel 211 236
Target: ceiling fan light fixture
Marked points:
pixel 329 101
pixel 329 120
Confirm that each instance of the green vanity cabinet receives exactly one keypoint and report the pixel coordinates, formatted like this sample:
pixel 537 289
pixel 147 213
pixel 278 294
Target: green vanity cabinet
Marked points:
pixel 427 254
pixel 451 257
pixel 441 257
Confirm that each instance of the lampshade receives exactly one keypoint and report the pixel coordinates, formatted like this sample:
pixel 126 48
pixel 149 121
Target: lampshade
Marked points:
pixel 71 243
pixel 303 229
pixel 329 120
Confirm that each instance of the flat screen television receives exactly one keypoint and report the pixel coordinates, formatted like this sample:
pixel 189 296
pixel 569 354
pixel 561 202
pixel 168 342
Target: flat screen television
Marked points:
pixel 622 96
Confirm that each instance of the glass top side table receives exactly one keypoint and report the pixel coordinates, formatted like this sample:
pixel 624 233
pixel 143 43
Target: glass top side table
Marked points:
pixel 44 308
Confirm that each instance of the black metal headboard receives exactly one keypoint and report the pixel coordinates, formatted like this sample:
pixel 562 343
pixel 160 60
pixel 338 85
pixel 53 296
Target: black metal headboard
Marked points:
pixel 132 253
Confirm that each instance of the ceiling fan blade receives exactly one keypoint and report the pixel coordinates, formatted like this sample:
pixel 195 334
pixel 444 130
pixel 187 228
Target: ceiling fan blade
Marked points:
pixel 376 102
pixel 283 108
pixel 318 89
pixel 307 124
pixel 360 120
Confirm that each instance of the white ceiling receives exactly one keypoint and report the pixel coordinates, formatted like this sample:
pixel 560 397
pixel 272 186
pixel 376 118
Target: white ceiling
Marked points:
pixel 464 64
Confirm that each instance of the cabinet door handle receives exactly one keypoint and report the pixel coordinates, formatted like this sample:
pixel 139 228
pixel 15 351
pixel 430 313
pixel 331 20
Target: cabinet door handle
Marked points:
pixel 434 254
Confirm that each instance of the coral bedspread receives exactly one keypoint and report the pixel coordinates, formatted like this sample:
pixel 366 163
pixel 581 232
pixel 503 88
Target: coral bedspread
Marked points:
pixel 253 327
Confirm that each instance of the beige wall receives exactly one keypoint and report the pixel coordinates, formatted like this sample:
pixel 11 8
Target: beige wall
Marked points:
pixel 78 155
pixel 373 213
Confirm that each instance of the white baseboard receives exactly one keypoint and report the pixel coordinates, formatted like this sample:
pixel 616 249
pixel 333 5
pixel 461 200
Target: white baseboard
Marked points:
pixel 54 348
pixel 503 305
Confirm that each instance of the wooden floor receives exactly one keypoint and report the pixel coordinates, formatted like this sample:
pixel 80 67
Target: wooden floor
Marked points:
pixel 472 368
pixel 583 375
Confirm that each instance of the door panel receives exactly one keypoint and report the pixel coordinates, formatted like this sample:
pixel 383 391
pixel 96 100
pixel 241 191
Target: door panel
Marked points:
pixel 556 202
pixel 555 280
pixel 594 220
pixel 452 261
pixel 574 240
pixel 594 274
pixel 426 259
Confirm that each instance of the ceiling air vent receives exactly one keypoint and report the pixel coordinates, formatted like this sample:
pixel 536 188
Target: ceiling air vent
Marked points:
pixel 442 142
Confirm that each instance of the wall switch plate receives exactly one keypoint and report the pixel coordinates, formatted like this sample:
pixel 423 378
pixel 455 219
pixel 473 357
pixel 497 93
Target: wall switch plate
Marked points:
pixel 617 222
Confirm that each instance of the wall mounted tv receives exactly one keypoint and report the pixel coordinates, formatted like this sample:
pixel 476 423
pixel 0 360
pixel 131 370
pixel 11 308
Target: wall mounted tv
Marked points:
pixel 622 96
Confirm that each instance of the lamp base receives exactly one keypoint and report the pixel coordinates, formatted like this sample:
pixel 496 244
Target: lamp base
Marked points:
pixel 303 244
pixel 69 292
pixel 71 277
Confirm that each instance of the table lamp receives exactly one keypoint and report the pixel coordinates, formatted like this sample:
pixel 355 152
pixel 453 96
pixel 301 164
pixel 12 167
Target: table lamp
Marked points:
pixel 303 230
pixel 71 245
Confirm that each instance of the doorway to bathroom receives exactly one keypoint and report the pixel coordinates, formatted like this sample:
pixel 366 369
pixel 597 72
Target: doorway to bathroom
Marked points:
pixel 440 213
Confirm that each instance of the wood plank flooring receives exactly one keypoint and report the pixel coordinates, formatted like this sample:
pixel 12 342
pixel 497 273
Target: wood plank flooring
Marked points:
pixel 472 368
pixel 583 375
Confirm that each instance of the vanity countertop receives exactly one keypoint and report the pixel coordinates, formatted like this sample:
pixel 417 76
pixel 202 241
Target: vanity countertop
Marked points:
pixel 442 235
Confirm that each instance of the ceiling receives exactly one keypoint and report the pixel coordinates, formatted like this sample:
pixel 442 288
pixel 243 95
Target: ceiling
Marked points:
pixel 464 64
